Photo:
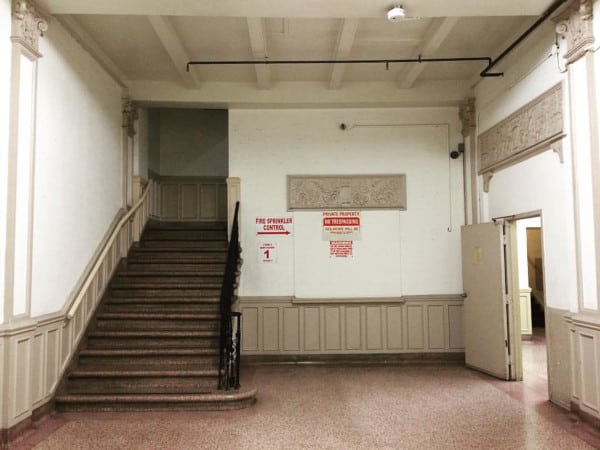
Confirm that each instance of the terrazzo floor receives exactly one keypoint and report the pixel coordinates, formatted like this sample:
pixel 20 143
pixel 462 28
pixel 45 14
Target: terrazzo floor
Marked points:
pixel 342 407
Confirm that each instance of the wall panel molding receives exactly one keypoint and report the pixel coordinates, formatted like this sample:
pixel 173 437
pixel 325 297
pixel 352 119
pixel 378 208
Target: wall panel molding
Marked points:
pixel 534 128
pixel 323 192
pixel 412 324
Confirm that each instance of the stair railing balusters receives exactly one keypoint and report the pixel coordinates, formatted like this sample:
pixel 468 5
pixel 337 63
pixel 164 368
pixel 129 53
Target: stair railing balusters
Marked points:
pixel 230 336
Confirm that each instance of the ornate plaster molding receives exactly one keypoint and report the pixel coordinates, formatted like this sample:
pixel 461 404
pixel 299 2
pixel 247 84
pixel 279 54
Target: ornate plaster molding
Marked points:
pixel 130 115
pixel 467 116
pixel 536 127
pixel 28 24
pixel 575 24
pixel 323 192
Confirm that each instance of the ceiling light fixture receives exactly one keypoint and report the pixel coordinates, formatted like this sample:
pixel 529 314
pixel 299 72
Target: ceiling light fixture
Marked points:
pixel 396 13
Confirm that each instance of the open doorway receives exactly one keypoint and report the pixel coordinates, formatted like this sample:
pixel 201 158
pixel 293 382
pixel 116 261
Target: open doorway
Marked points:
pixel 532 304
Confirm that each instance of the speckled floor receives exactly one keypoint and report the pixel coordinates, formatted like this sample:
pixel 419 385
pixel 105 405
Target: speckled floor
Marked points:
pixel 341 407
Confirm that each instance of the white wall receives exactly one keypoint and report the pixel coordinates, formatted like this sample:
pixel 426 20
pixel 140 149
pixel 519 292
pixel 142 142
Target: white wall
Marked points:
pixel 5 63
pixel 400 253
pixel 540 183
pixel 77 166
pixel 191 142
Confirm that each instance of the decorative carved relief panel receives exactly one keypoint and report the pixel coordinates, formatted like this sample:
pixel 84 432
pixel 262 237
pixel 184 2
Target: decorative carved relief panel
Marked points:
pixel 27 25
pixel 577 28
pixel 346 192
pixel 536 127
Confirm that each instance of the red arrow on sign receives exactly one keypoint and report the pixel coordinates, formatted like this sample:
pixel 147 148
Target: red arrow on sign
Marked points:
pixel 272 232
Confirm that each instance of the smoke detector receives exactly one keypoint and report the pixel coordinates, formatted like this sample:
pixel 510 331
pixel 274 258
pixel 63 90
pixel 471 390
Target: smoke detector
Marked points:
pixel 396 13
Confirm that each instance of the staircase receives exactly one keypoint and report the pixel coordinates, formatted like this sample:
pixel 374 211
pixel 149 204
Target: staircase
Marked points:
pixel 153 343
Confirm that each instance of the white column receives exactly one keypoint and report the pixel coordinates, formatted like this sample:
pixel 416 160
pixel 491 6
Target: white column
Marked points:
pixel 576 28
pixel 27 26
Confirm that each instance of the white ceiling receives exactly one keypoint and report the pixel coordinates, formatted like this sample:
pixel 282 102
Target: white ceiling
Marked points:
pixel 145 45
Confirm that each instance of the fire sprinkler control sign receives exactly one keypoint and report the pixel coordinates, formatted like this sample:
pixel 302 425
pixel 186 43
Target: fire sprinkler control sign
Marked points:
pixel 274 226
pixel 341 225
pixel 267 253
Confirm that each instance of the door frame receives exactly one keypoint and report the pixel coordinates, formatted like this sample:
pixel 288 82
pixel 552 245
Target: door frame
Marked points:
pixel 512 273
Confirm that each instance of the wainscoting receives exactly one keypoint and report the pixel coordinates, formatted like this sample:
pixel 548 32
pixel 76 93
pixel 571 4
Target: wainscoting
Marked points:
pixel 415 324
pixel 585 355
pixel 190 198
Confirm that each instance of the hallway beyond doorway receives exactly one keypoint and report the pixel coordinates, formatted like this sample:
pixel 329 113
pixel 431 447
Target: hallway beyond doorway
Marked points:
pixel 340 406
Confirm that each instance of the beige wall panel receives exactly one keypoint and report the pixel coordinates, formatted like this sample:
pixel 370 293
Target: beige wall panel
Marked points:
pixel 589 371
pixel 189 201
pixel 3 368
pixel 353 328
pixel 100 281
pixel 575 365
pixel 78 323
pixel 333 332
pixel 208 201
pixel 270 329
pixel 169 201
pixel 21 377
pixel 559 357
pixel 455 327
pixel 291 329
pixel 374 328
pixel 222 202
pixel 52 358
pixel 435 326
pixel 312 329
pixel 250 329
pixel 416 331
pixel 65 347
pixel 38 358
pixel 394 327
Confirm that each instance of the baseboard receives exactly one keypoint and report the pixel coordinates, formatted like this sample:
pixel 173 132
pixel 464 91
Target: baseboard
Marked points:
pixel 584 416
pixel 9 435
pixel 361 359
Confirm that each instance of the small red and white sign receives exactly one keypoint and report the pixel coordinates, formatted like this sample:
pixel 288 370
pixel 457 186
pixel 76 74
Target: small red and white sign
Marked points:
pixel 340 249
pixel 341 225
pixel 267 253
pixel 274 226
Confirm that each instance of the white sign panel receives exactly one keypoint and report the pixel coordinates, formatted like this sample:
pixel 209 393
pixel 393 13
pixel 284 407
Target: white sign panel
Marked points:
pixel 267 253
pixel 274 226
pixel 341 225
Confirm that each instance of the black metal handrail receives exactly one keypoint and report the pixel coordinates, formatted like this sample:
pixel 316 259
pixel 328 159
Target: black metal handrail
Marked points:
pixel 230 338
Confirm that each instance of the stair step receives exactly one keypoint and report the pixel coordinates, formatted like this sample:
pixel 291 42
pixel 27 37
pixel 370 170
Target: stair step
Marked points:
pixel 141 381
pixel 110 339
pixel 162 258
pixel 155 291
pixel 212 400
pixel 173 267
pixel 166 299
pixel 185 271
pixel 180 250
pixel 157 321
pixel 178 279
pixel 167 308
pixel 154 358
pixel 174 225
pixel 187 245
pixel 185 235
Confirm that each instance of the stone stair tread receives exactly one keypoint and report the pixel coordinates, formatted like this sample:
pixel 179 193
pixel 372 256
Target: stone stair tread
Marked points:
pixel 158 273
pixel 81 373
pixel 208 300
pixel 180 250
pixel 157 315
pixel 159 351
pixel 155 333
pixel 208 396
pixel 164 285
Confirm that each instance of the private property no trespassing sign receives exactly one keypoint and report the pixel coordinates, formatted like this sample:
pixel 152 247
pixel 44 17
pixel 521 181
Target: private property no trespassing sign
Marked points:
pixel 341 225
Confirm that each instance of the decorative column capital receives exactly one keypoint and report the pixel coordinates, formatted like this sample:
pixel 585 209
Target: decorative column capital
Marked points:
pixel 575 25
pixel 466 113
pixel 130 115
pixel 28 24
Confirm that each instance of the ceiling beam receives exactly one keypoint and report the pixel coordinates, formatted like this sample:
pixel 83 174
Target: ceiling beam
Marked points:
pixel 438 31
pixel 334 9
pixel 172 43
pixel 258 44
pixel 88 42
pixel 342 50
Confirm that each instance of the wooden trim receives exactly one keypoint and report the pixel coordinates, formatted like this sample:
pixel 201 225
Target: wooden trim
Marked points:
pixel 377 300
pixel 348 359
